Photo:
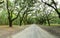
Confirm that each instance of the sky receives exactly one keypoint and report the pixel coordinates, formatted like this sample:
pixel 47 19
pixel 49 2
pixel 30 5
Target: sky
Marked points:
pixel 58 1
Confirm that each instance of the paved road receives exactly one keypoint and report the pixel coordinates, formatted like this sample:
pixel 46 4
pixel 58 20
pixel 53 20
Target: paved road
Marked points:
pixel 33 32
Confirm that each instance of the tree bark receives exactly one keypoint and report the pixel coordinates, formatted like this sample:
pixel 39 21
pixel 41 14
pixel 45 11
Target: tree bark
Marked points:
pixel 9 17
pixel 48 22
pixel 20 19
pixel 10 23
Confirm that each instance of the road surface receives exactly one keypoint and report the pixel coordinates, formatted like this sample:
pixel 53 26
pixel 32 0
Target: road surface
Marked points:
pixel 33 32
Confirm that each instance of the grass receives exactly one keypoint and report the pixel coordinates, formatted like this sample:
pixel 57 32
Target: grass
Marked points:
pixel 53 25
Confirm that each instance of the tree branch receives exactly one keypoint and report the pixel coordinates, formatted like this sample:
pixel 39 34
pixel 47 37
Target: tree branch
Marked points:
pixel 55 8
pixel 48 4
pixel 1 2
pixel 17 14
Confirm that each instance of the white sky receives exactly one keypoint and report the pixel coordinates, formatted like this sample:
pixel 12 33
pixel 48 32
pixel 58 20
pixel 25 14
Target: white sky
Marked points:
pixel 58 1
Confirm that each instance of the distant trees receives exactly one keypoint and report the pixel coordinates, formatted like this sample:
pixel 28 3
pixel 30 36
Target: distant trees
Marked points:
pixel 48 16
pixel 44 15
pixel 47 13
pixel 18 6
pixel 52 4
pixel 27 12
pixel 29 4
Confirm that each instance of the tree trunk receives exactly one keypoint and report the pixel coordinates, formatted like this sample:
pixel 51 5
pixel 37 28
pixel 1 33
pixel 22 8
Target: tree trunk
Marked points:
pixel 20 22
pixel 48 22
pixel 21 18
pixel 10 23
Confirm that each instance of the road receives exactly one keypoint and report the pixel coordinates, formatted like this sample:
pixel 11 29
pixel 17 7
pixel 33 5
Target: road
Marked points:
pixel 33 32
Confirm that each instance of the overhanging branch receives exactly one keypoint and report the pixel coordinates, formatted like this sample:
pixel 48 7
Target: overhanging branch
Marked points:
pixel 1 2
pixel 17 14
pixel 48 4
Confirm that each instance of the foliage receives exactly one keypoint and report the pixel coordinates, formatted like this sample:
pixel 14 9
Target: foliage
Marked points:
pixel 20 12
